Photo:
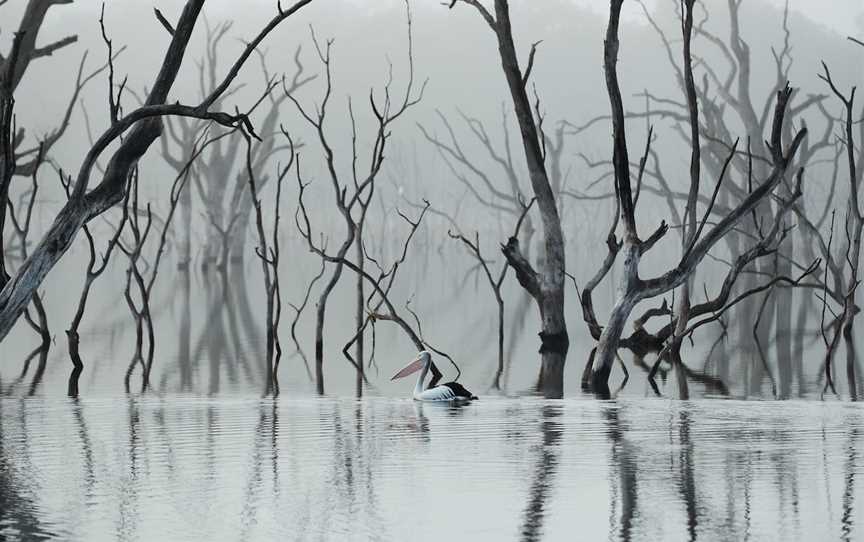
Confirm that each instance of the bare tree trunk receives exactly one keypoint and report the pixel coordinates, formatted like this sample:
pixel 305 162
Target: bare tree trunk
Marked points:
pixel 783 326
pixel 804 306
pixel 547 285
pixel 607 346
pixel 185 331
pixel 320 311
pixel 850 313
pixel 851 356
pixel 239 236
pixel 359 315
pixel 633 288
pixel 184 252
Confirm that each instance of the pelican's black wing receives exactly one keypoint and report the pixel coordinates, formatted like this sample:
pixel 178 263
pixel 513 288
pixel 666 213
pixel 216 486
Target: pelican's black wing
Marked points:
pixel 460 391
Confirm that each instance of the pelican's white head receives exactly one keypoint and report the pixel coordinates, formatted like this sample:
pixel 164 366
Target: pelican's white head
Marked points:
pixel 422 360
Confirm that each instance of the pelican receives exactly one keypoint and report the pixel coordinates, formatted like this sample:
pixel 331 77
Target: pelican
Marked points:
pixel 449 391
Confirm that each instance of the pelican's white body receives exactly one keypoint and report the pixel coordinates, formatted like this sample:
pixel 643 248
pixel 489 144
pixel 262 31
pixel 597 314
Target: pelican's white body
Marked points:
pixel 438 393
pixel 442 393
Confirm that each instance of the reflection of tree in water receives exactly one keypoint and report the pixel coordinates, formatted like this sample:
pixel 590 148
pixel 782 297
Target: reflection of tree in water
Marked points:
pixel 89 473
pixel 265 446
pixel 785 469
pixel 355 462
pixel 128 501
pixel 228 339
pixel 686 481
pixel 544 474
pixel 40 354
pixel 847 520
pixel 17 509
pixel 625 469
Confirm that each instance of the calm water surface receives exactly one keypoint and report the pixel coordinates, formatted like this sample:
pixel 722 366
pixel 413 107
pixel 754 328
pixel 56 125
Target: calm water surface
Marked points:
pixel 389 469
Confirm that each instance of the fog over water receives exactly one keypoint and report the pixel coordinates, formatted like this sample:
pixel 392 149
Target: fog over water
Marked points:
pixel 739 437
pixel 458 58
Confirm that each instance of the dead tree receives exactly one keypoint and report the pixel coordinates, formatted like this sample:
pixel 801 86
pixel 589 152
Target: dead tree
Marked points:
pixel 727 99
pixel 14 159
pixel 379 305
pixel 18 160
pixel 717 158
pixel 222 191
pixel 505 198
pixel 853 226
pixel 495 283
pixel 144 127
pixel 268 253
pixel 355 193
pixel 21 219
pixel 545 285
pixel 95 268
pixel 298 312
pixel 141 274
pixel 698 239
pixel 135 271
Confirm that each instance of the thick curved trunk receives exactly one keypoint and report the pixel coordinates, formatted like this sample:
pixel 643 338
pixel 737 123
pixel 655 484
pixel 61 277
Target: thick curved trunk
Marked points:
pixel 16 294
pixel 607 346
pixel 547 284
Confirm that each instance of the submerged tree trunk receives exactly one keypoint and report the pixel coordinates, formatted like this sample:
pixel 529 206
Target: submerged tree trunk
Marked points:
pixel 237 250
pixel 185 332
pixel 607 346
pixel 698 242
pixel 546 286
pixel 359 314
pixel 184 250
pixel 783 328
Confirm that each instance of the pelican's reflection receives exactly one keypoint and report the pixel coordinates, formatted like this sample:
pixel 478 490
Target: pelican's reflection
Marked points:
pixel 419 424
pixel 422 424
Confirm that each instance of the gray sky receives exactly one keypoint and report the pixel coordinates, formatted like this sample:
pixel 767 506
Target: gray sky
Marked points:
pixel 844 16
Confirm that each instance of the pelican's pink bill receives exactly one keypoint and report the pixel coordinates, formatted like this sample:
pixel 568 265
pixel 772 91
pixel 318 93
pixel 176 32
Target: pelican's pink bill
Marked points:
pixel 412 367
